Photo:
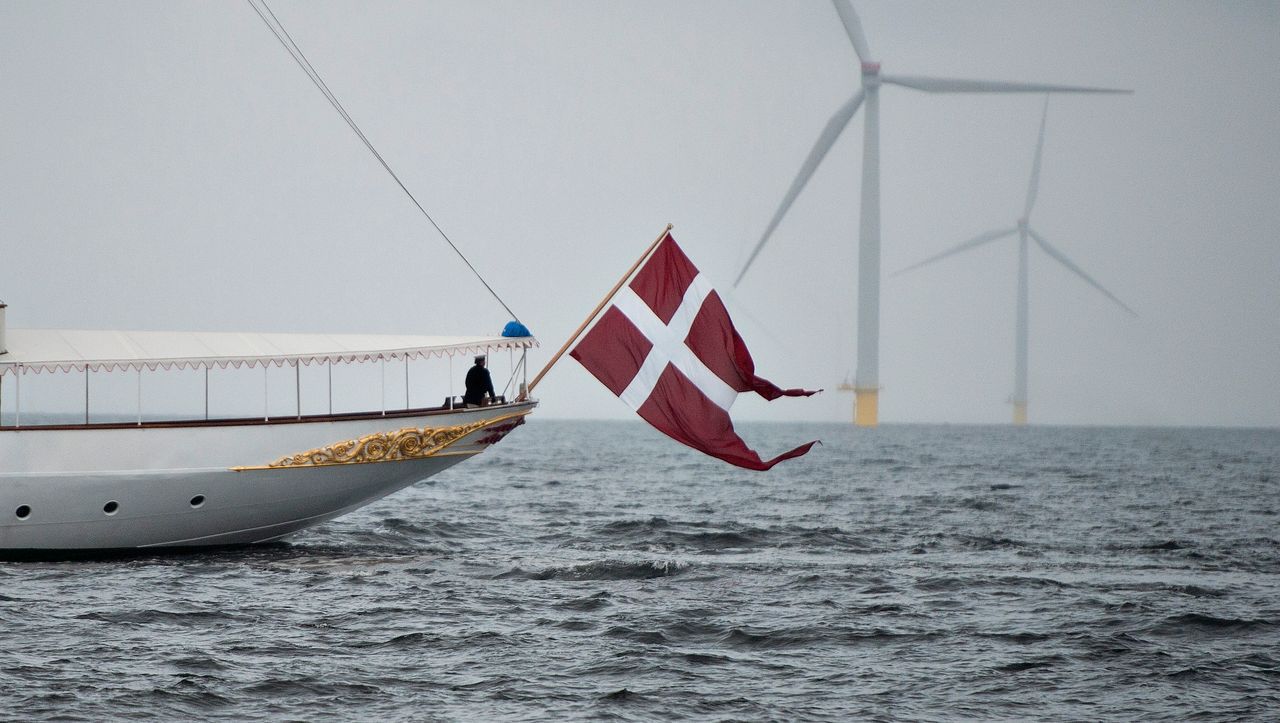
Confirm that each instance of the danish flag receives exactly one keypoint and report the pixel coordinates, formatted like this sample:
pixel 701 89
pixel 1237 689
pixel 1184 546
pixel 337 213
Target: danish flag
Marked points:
pixel 668 349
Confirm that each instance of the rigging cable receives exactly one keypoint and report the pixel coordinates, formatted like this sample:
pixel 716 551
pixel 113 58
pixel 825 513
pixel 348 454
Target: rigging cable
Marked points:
pixel 277 29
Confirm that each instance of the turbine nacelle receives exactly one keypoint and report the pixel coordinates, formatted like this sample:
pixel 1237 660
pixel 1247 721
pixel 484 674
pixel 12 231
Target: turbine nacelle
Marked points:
pixel 871 75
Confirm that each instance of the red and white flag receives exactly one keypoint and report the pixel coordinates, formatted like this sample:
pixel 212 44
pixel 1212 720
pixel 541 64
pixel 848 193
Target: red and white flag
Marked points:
pixel 668 349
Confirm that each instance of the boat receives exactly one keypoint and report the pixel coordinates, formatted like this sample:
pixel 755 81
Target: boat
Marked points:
pixel 153 482
pixel 156 479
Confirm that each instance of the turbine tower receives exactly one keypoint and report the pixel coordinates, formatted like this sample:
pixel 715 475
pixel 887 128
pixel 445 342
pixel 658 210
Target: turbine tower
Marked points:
pixel 1024 230
pixel 867 375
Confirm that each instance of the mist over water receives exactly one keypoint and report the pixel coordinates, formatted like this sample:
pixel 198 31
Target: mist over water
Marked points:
pixel 597 570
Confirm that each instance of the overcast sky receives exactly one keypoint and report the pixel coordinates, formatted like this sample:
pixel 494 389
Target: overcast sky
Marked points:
pixel 167 166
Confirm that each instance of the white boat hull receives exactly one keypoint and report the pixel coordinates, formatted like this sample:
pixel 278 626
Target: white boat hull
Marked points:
pixel 193 486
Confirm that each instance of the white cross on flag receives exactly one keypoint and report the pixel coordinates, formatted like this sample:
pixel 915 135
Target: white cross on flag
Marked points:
pixel 668 348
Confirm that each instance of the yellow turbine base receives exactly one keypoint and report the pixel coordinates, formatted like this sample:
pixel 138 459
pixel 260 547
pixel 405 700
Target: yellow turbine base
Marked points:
pixel 866 407
pixel 1019 413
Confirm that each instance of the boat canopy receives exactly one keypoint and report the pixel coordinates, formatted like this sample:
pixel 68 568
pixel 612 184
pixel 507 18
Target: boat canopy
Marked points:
pixel 64 350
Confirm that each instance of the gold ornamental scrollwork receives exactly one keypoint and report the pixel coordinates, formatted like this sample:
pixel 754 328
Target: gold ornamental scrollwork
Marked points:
pixel 404 444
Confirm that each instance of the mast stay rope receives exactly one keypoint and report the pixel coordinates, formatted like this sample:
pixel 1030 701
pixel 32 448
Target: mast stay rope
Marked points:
pixel 277 29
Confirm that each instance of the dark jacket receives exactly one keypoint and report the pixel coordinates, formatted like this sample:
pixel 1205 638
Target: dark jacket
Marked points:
pixel 478 382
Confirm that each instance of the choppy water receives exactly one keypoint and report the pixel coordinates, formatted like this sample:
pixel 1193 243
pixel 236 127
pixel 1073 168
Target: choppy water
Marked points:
pixel 599 571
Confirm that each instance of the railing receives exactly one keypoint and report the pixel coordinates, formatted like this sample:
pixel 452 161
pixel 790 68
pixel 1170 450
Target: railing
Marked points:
pixel 49 424
pixel 20 418
pixel 457 402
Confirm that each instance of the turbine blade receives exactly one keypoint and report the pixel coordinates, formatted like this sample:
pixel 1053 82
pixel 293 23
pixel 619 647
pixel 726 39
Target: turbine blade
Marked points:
pixel 1062 259
pixel 825 140
pixel 974 242
pixel 853 26
pixel 955 85
pixel 1033 189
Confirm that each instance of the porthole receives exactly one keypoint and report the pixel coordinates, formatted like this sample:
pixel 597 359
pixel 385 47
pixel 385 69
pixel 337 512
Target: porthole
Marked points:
pixel 111 507
pixel 197 501
pixel 23 512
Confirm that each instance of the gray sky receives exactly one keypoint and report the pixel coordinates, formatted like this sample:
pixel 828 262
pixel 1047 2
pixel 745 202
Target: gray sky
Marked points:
pixel 167 166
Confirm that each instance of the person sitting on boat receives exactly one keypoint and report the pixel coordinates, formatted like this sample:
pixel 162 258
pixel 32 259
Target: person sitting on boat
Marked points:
pixel 479 383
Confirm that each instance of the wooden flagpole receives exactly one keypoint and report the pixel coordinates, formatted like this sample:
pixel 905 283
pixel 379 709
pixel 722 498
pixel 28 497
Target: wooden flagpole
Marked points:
pixel 598 308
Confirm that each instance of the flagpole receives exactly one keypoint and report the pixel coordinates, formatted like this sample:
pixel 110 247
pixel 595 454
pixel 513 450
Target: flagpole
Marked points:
pixel 598 308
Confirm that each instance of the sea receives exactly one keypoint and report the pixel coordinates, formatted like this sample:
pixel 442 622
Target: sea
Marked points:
pixel 599 571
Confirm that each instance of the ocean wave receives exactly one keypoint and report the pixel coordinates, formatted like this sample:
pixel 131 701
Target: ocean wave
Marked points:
pixel 1201 623
pixel 626 526
pixel 766 639
pixel 497 682
pixel 601 570
pixel 1167 545
pixel 622 695
pixel 1021 638
pixel 715 541
pixel 590 603
pixel 166 617
pixel 635 635
pixel 309 688
pixel 705 536
pixel 697 536
pixel 1047 661
pixel 185 697
pixel 406 640
pixel 199 662
pixel 707 659
pixel 756 638
pixel 1167 587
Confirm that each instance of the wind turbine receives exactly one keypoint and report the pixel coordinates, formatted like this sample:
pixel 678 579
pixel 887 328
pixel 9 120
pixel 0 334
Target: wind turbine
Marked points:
pixel 867 376
pixel 1023 229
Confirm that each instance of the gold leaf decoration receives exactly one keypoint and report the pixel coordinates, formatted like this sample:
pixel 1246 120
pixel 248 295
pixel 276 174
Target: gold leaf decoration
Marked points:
pixel 404 444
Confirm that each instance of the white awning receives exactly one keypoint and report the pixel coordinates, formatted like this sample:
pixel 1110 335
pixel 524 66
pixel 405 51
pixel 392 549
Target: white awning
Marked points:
pixel 69 350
